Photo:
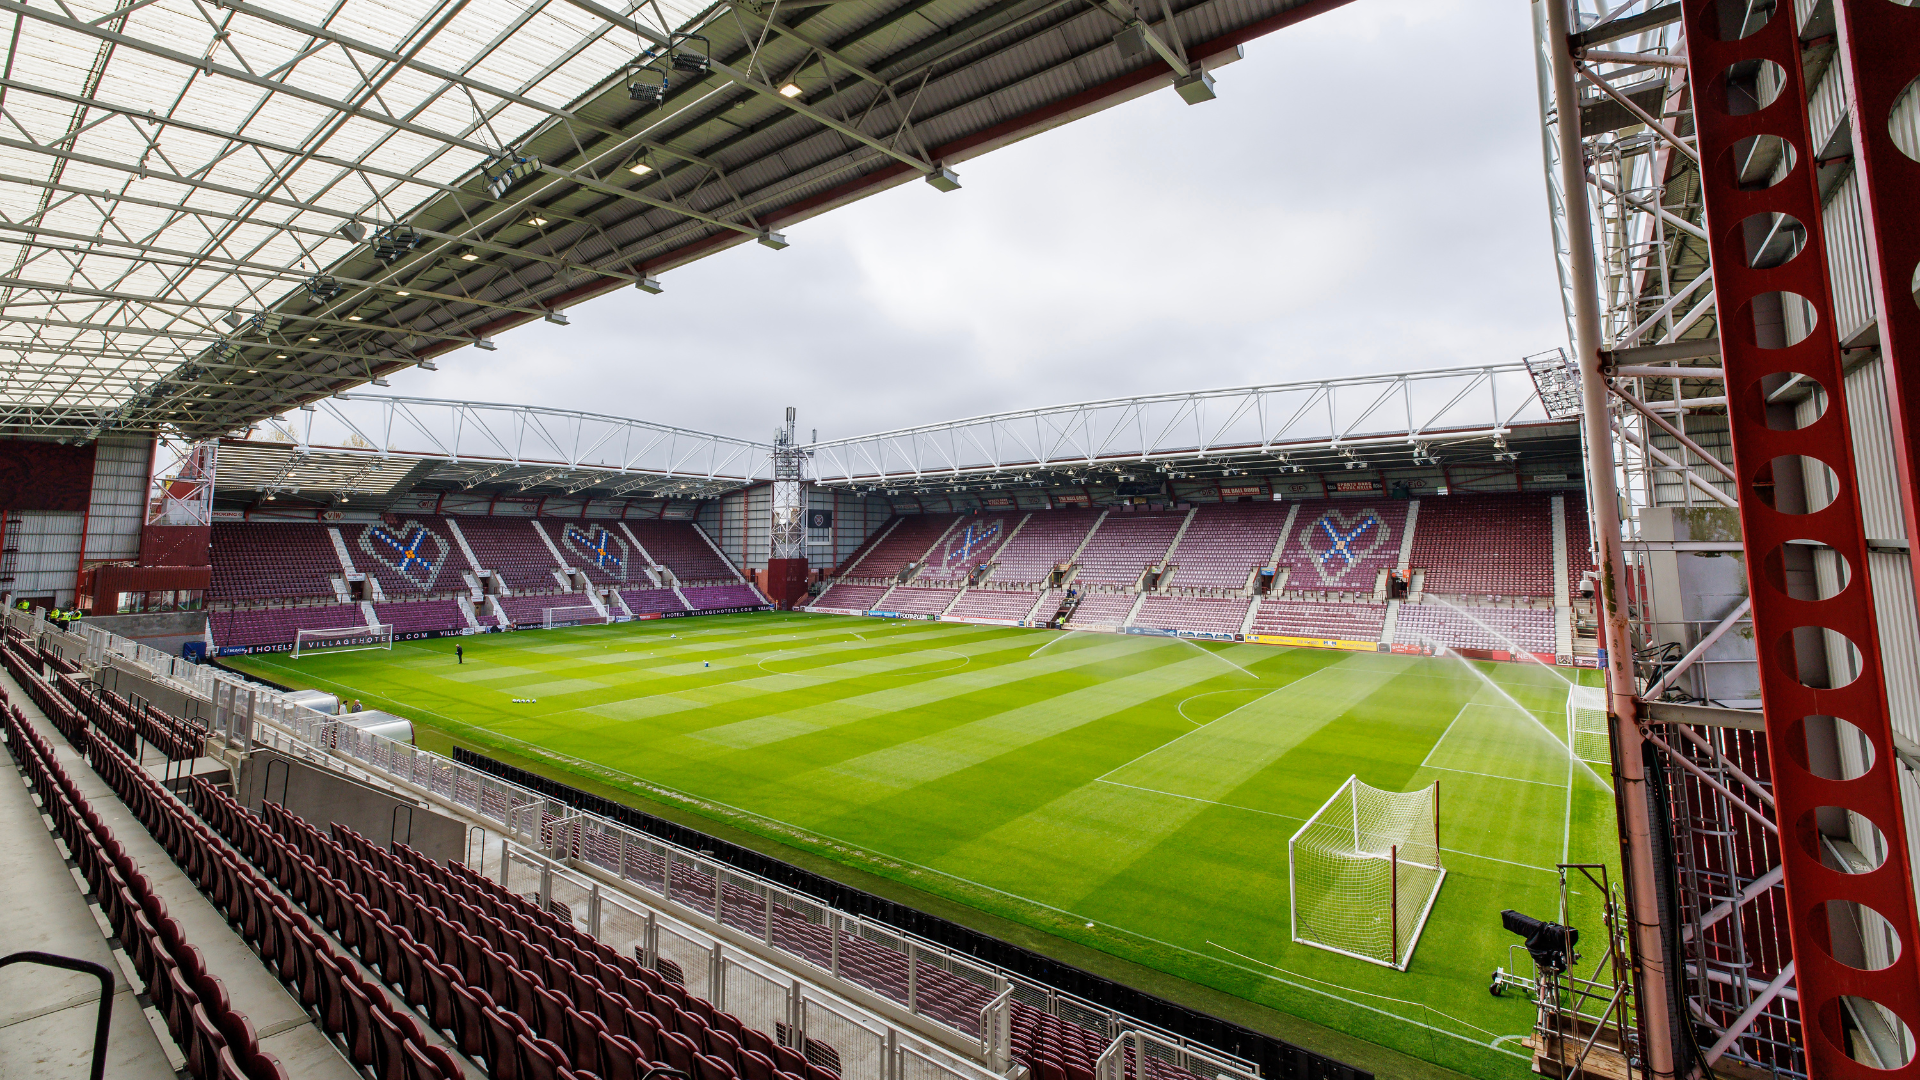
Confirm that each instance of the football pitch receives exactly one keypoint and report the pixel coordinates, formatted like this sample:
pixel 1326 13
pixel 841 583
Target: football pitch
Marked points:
pixel 1130 794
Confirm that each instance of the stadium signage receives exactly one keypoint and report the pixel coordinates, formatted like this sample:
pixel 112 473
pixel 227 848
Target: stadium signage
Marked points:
pixel 1072 500
pixel 1149 631
pixel 715 611
pixel 1234 492
pixel 998 504
pixel 1355 485
pixel 411 635
pixel 1209 635
pixel 901 615
pixel 1321 643
pixel 1413 650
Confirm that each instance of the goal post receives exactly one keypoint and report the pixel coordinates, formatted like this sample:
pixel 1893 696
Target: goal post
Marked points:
pixel 343 638
pixel 573 616
pixel 1364 872
pixel 1587 725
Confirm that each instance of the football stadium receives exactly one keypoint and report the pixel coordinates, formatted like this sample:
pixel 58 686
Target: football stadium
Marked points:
pixel 1548 714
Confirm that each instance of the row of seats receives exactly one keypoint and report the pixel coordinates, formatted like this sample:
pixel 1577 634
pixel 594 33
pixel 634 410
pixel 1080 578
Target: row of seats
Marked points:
pixel 680 547
pixel 1101 609
pixel 278 626
pixel 995 604
pixel 129 726
pixel 1498 628
pixel 845 597
pixel 216 1040
pixel 709 597
pixel 1346 622
pixel 1485 545
pixel 650 601
pixel 1126 544
pixel 908 542
pixel 912 601
pixel 1225 544
pixel 256 560
pixel 511 549
pixel 526 992
pixel 421 616
pixel 1047 539
pixel 1205 614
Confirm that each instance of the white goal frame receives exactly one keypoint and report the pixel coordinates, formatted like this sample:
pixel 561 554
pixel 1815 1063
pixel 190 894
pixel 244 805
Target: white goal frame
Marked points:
pixel 1588 729
pixel 1368 847
pixel 377 636
pixel 563 616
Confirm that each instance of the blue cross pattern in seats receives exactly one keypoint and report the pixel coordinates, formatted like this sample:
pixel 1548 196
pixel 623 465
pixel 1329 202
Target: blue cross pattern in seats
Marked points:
pixel 1342 543
pixel 974 538
pixel 411 554
pixel 598 547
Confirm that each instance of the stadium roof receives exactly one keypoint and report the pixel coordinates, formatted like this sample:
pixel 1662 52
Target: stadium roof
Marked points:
pixel 375 446
pixel 213 213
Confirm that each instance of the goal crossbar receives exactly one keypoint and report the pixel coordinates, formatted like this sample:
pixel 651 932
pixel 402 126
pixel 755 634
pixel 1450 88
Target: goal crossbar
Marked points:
pixel 343 638
pixel 1364 872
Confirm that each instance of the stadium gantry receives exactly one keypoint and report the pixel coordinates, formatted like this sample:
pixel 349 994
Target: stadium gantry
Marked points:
pixel 227 221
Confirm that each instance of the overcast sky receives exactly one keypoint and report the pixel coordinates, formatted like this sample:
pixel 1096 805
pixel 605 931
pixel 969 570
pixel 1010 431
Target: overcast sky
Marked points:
pixel 1365 195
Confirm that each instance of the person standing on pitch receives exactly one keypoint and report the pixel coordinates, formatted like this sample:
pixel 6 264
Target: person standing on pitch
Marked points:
pixel 459 654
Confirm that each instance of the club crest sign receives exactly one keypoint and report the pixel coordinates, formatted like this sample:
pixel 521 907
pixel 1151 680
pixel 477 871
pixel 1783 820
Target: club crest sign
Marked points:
pixel 414 551
pixel 598 546
pixel 1339 542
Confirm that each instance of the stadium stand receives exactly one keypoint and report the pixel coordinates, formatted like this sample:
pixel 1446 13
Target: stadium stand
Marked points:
pixel 276 626
pixel 1347 622
pixel 844 597
pixel 417 555
pixel 906 544
pixel 1343 544
pixel 649 601
pixel 722 596
pixel 510 548
pixel 1500 628
pixel 1210 615
pixel 257 560
pixel 1485 545
pixel 421 616
pixel 914 601
pixel 1225 544
pixel 601 553
pixel 677 546
pixel 1047 539
pixel 968 546
pixel 1125 545
pixel 1009 604
pixel 1101 609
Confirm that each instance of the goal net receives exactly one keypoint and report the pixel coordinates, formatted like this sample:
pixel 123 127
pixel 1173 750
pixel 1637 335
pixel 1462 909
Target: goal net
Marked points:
pixel 1587 720
pixel 343 638
pixel 573 616
pixel 1365 870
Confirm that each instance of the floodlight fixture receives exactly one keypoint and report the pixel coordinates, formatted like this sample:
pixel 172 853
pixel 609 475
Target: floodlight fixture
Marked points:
pixel 353 318
pixel 944 179
pixel 426 365
pixel 537 221
pixel 555 318
pixel 484 343
pixel 312 338
pixel 791 90
pixel 402 292
pixel 640 168
pixel 379 380
pixel 1195 88
pixel 469 255
pixel 648 285
pixel 352 230
pixel 323 287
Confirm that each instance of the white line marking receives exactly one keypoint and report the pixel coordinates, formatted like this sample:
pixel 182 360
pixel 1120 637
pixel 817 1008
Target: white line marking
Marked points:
pixel 1435 748
pixel 1202 727
pixel 1182 707
pixel 1490 776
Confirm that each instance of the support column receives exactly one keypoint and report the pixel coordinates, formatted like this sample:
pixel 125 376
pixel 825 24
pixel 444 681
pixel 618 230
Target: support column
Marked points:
pixel 1765 445
pixel 1880 56
pixel 1616 642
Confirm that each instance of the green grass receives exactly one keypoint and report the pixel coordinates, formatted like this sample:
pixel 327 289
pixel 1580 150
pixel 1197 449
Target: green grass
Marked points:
pixel 1132 795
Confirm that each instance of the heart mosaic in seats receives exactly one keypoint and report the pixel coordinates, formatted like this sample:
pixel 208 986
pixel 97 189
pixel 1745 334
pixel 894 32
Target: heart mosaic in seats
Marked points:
pixel 1339 542
pixel 599 546
pixel 413 551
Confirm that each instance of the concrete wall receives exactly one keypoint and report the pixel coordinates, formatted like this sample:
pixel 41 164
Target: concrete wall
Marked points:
pixel 323 797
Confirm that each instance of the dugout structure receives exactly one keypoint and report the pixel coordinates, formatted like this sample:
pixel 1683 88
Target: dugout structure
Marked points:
pixel 1364 871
